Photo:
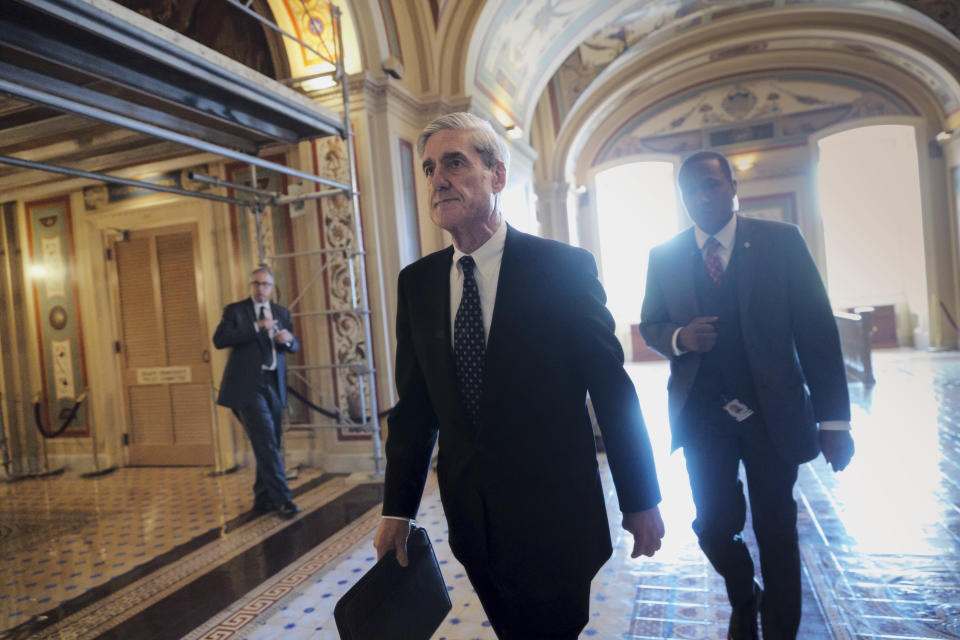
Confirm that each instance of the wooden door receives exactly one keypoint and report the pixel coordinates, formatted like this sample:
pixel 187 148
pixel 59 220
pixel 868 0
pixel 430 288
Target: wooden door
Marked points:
pixel 164 348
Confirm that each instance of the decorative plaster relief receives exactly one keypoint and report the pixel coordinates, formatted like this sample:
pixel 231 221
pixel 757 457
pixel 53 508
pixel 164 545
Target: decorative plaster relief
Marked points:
pixel 63 369
pixel 59 327
pixel 346 329
pixel 784 107
pixel 653 23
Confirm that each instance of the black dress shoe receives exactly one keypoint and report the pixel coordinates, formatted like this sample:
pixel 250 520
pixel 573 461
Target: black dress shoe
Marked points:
pixel 743 618
pixel 260 509
pixel 288 510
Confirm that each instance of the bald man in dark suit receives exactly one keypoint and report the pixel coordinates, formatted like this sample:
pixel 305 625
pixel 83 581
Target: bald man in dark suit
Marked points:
pixel 756 376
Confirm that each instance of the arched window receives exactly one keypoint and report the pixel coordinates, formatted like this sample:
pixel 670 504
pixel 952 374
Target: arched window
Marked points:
pixel 636 210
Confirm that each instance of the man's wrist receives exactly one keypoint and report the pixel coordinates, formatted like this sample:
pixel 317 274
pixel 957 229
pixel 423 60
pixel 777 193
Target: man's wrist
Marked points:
pixel 385 517
pixel 677 349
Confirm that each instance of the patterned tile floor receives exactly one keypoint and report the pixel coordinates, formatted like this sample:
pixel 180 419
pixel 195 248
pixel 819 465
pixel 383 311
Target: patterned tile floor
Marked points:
pixel 880 541
pixel 64 535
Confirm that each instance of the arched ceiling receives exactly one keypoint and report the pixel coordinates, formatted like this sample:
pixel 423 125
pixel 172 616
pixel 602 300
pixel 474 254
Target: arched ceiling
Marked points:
pixel 631 92
pixel 519 47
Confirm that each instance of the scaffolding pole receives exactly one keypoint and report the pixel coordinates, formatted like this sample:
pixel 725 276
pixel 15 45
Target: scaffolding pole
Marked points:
pixel 362 372
pixel 353 256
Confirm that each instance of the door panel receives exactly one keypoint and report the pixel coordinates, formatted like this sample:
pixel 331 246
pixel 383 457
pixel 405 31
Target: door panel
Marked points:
pixel 138 312
pixel 164 341
pixel 184 342
pixel 150 414
pixel 191 413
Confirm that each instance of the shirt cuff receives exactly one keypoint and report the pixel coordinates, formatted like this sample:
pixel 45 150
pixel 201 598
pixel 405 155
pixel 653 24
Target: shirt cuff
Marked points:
pixel 835 425
pixel 676 347
pixel 396 518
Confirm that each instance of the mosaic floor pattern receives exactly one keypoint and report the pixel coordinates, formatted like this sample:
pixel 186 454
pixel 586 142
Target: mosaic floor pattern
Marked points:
pixel 880 541
pixel 65 536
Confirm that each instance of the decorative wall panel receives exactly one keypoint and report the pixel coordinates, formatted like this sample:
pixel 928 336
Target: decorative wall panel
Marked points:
pixel 346 329
pixel 52 271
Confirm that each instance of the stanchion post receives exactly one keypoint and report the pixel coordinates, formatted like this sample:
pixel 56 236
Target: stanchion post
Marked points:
pixel 3 440
pixel 218 463
pixel 97 471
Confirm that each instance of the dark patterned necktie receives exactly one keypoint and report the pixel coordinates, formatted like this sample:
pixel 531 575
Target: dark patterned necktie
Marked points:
pixel 468 343
pixel 265 347
pixel 711 256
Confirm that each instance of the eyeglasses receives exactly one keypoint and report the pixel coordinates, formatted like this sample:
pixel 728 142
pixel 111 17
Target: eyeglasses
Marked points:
pixel 257 283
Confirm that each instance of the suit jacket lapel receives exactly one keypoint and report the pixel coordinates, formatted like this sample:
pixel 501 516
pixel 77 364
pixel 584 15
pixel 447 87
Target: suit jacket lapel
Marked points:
pixel 274 313
pixel 262 343
pixel 684 288
pixel 746 264
pixel 437 290
pixel 508 287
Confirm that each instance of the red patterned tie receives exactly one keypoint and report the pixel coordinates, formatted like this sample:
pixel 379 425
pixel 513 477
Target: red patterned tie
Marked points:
pixel 712 258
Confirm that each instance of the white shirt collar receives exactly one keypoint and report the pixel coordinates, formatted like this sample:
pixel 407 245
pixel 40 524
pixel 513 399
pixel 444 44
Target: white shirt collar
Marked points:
pixel 487 254
pixel 725 236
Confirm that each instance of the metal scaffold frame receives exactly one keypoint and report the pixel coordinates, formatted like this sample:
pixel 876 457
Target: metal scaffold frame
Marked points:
pixel 362 416
pixel 368 419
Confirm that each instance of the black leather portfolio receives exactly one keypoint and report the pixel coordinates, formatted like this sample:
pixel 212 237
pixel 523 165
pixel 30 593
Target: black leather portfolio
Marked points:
pixel 391 602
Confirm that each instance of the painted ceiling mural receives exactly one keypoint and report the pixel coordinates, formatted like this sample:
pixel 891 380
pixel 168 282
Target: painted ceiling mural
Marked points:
pixel 312 22
pixel 568 85
pixel 519 54
pixel 946 89
pixel 774 108
pixel 527 38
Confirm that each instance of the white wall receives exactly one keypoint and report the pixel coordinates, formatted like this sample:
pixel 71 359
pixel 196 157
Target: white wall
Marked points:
pixel 869 187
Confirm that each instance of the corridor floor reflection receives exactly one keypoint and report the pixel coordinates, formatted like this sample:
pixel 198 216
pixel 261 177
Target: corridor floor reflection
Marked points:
pixel 880 541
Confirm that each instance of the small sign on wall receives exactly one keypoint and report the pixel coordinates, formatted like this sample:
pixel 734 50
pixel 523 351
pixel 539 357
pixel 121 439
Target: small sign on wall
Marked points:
pixel 163 375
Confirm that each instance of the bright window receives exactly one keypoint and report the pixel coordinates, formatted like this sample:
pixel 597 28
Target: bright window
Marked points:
pixel 636 210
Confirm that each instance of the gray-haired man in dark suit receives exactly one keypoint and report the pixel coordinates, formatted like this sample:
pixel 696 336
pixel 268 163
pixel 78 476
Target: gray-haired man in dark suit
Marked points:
pixel 258 333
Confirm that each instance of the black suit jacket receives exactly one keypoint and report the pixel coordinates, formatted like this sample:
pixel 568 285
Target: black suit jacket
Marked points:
pixel 521 492
pixel 789 332
pixel 242 373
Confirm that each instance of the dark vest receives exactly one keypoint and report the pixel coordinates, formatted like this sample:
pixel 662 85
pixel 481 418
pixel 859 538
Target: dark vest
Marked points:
pixel 724 372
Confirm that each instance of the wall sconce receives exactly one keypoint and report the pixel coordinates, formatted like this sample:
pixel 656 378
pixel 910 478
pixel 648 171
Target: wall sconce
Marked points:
pixel 514 132
pixel 37 271
pixel 392 67
pixel 744 163
pixel 944 137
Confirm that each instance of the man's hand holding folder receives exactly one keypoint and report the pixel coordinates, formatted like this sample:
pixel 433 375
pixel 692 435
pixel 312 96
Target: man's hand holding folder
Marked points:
pixel 392 535
pixel 396 600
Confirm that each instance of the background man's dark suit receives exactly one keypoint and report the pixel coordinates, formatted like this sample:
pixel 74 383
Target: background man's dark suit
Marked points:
pixel 792 375
pixel 521 493
pixel 257 397
pixel 787 325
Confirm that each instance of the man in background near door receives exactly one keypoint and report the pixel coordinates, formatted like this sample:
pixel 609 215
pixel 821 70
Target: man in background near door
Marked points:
pixel 254 384
pixel 499 338
pixel 756 376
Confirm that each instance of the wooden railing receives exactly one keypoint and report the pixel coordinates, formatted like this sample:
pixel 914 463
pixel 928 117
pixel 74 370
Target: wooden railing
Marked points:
pixel 855 330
